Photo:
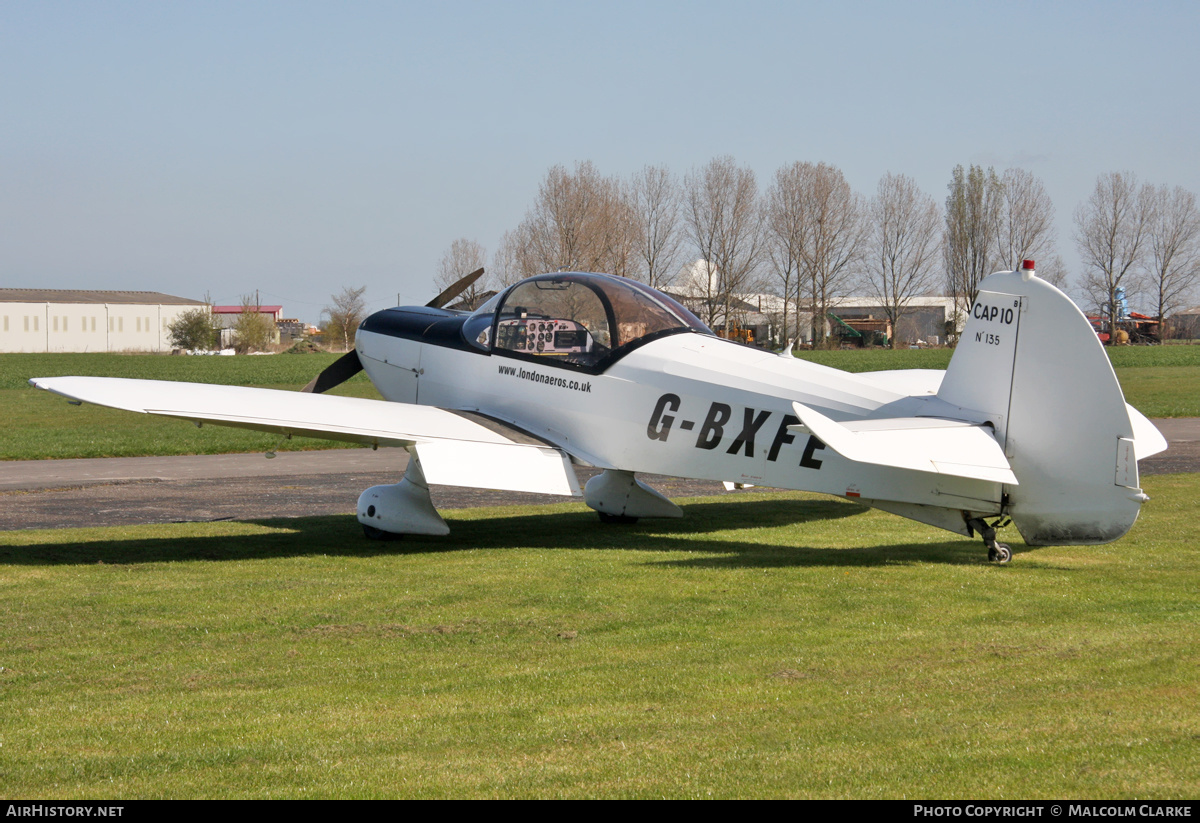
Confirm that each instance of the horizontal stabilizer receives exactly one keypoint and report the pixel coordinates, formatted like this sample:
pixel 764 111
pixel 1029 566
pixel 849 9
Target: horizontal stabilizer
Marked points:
pixel 923 444
pixel 907 382
pixel 454 450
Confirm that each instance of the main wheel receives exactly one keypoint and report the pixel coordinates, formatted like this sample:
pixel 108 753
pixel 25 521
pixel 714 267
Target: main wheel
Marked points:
pixel 373 533
pixel 1002 553
pixel 616 519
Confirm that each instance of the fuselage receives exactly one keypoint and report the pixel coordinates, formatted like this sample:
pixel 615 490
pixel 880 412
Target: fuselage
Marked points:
pixel 684 402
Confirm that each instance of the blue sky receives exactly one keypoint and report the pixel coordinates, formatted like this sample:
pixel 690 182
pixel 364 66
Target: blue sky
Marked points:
pixel 297 147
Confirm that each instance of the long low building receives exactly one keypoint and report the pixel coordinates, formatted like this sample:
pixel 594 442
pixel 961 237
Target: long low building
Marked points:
pixel 84 320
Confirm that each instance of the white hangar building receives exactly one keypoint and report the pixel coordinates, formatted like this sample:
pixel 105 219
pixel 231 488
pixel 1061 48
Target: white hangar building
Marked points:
pixel 83 320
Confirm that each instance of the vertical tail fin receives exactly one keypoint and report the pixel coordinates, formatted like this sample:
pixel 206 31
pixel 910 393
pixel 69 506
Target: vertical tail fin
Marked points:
pixel 1031 363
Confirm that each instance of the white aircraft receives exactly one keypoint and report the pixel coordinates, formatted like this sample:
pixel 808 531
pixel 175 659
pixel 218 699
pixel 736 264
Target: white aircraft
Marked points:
pixel 1027 425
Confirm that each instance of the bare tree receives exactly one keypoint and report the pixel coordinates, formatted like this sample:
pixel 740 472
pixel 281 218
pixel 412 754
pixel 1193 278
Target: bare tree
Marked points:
pixel 1026 226
pixel 653 201
pixel 904 243
pixel 823 224
pixel 724 223
pixel 345 314
pixel 624 238
pixel 579 222
pixel 973 210
pixel 1174 258
pixel 509 263
pixel 1111 231
pixel 786 268
pixel 784 219
pixel 783 216
pixel 463 257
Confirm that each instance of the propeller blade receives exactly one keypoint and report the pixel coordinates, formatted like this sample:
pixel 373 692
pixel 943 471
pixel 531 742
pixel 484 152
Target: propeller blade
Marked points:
pixel 348 365
pixel 338 372
pixel 455 289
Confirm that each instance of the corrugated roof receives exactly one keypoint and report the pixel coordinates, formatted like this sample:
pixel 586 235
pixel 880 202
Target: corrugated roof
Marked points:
pixel 240 309
pixel 152 298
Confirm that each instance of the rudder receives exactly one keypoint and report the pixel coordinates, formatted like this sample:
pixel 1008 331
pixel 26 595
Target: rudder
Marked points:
pixel 1030 362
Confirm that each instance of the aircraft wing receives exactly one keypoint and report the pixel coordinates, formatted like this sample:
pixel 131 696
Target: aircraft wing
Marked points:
pixel 919 443
pixel 454 449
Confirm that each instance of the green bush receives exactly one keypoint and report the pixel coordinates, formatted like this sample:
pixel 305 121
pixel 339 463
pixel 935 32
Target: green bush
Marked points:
pixel 192 330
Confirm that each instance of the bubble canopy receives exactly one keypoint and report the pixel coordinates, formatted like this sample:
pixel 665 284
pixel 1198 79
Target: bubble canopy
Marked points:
pixel 577 320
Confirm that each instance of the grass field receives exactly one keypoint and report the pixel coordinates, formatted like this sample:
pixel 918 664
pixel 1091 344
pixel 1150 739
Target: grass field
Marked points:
pixel 768 645
pixel 1161 381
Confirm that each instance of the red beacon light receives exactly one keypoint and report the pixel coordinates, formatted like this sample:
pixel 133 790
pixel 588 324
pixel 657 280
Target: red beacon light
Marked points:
pixel 1026 269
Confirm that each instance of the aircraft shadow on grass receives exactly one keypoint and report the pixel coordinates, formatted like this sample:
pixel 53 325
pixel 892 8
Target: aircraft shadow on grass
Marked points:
pixel 563 530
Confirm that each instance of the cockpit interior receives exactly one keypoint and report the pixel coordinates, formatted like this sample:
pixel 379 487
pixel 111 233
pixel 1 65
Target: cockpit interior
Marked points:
pixel 574 319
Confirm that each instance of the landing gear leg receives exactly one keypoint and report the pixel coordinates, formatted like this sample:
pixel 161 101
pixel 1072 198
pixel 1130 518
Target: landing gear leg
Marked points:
pixel 997 552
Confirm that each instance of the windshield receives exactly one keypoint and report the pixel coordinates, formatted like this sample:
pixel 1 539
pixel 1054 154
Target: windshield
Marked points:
pixel 584 320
